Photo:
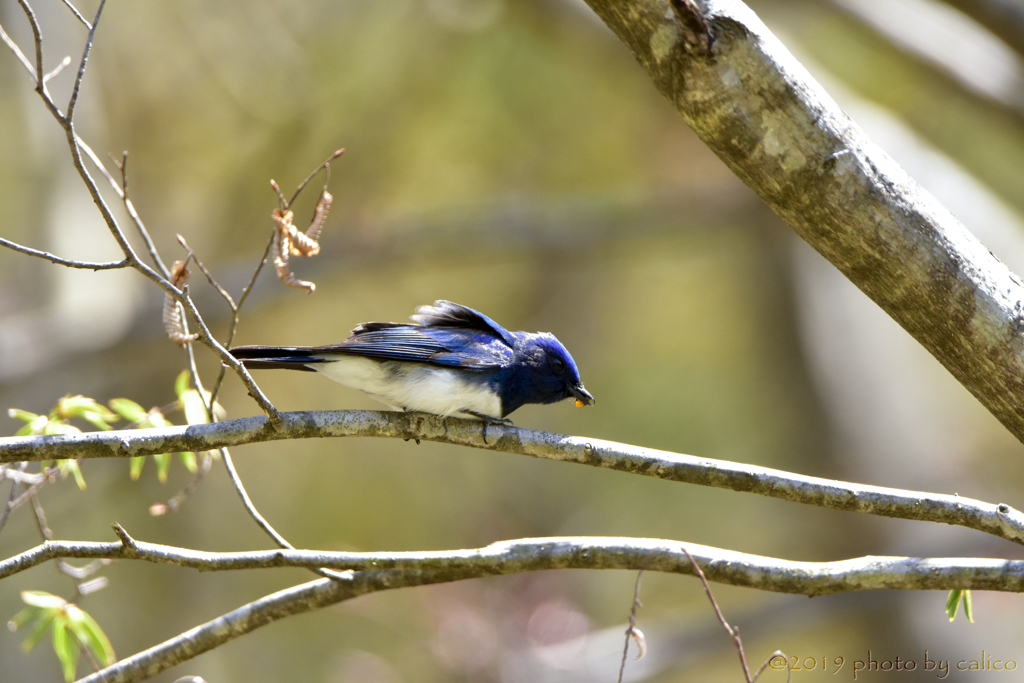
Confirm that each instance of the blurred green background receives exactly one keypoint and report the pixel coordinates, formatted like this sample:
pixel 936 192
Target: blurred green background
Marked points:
pixel 512 157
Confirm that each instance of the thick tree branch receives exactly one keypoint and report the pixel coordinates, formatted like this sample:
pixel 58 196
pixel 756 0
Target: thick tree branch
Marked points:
pixel 997 519
pixel 760 111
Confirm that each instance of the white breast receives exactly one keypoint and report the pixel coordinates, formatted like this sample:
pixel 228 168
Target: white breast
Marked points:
pixel 441 391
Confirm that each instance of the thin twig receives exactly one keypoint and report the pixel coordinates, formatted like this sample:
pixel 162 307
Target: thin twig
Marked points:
pixel 11 497
pixel 305 182
pixel 734 633
pixel 67 123
pixel 207 338
pixel 102 169
pixel 236 481
pixel 37 35
pixel 16 50
pixel 237 311
pixel 78 15
pixel 209 276
pixel 130 208
pixel 73 101
pixel 31 71
pixel 261 520
pixel 70 263
pixel 60 67
pixel 204 468
pixel 632 631
pixel 44 528
pixel 77 575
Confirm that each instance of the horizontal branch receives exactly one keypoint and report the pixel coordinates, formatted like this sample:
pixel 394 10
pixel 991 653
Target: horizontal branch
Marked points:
pixel 573 552
pixel 997 519
pixel 776 128
pixel 400 570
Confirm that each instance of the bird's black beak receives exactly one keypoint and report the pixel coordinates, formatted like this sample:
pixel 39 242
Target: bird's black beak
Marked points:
pixel 583 397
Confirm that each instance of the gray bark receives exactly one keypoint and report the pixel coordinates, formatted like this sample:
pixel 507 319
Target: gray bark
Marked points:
pixel 760 111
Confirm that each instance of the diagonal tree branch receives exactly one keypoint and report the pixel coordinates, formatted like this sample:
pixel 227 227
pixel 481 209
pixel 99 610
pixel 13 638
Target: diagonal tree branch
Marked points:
pixel 997 519
pixel 760 111
pixel 87 265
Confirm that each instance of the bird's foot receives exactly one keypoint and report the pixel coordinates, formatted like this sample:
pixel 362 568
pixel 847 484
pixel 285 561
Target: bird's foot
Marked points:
pixel 488 420
pixel 406 410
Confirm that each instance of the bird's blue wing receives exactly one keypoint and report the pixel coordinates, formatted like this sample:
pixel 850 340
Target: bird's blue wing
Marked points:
pixel 444 346
pixel 445 314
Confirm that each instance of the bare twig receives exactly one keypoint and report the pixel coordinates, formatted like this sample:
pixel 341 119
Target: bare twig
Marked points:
pixel 305 182
pixel 209 276
pixel 16 50
pixel 181 496
pixel 261 520
pixel 734 632
pixel 78 15
pixel 632 631
pixel 66 121
pixel 13 495
pixel 73 100
pixel 70 263
pixel 60 67
pixel 137 220
pixel 103 170
pixel 234 318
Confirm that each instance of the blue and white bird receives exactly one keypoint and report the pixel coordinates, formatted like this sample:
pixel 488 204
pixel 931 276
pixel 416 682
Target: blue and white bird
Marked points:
pixel 452 360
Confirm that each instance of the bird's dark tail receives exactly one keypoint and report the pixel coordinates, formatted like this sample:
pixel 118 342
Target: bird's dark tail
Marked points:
pixel 286 357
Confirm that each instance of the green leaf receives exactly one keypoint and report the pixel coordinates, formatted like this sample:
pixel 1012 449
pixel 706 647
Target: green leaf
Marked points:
pixel 194 403
pixel 136 464
pixel 163 463
pixel 189 460
pixel 21 617
pixel 44 608
pixel 34 427
pixel 90 634
pixel 56 427
pixel 71 467
pixel 195 409
pixel 43 599
pixel 952 603
pixel 45 618
pixel 88 409
pixel 128 409
pixel 65 648
pixel 155 418
pixel 182 384
pixel 24 415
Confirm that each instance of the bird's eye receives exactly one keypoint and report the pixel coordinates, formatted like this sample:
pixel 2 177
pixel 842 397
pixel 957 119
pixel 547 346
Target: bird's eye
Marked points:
pixel 558 365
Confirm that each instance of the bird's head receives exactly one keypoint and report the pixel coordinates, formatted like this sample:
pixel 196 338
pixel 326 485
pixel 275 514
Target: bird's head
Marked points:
pixel 552 373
